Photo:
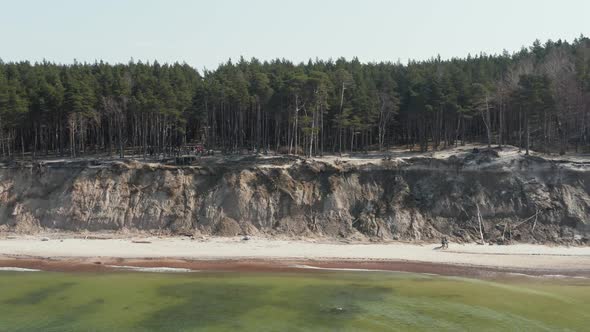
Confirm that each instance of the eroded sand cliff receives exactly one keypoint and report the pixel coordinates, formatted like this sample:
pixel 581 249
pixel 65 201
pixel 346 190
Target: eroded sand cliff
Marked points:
pixel 526 199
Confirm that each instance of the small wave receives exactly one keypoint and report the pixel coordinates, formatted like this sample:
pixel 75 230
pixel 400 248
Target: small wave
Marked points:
pixel 338 269
pixel 556 276
pixel 297 266
pixel 17 269
pixel 161 269
pixel 559 276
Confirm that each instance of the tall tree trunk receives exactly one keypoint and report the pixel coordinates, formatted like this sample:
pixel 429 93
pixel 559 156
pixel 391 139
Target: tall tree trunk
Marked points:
pixel 340 120
pixel 527 133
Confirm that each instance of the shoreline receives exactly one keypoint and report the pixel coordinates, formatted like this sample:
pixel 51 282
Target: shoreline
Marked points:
pixel 69 254
pixel 103 264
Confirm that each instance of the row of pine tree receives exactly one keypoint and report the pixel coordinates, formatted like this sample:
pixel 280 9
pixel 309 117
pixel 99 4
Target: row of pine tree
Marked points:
pixel 537 98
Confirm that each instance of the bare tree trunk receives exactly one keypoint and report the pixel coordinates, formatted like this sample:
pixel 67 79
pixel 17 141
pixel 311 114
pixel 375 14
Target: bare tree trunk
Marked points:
pixel 520 115
pixel 527 133
pixel 340 120
pixel 457 131
pixel 501 120
pixel 322 131
pixel 22 144
pixel 480 221
pixel 312 133
pixel 296 124
pixel 560 134
pixel 34 154
pixel 72 120
pixel 487 122
pixel 2 138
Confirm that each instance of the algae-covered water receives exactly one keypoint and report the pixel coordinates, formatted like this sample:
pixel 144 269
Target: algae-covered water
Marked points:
pixel 323 301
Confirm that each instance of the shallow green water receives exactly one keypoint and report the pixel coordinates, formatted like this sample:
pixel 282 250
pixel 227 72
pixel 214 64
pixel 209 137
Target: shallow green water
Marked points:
pixel 325 301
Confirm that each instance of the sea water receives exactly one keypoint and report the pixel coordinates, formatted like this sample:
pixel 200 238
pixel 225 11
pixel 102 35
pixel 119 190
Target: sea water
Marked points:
pixel 318 301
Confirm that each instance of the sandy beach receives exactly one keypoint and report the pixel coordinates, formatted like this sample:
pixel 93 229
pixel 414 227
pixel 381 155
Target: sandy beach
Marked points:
pixel 228 253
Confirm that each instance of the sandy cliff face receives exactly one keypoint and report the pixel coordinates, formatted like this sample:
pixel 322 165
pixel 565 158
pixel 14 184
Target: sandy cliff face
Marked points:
pixel 523 199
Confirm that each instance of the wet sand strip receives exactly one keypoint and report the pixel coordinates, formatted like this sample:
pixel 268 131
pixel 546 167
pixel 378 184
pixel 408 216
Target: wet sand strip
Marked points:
pixel 102 264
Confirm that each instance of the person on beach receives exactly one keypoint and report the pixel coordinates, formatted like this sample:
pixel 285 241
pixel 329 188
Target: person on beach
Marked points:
pixel 444 243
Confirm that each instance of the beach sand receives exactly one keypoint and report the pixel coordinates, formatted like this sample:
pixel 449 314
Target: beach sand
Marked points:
pixel 63 253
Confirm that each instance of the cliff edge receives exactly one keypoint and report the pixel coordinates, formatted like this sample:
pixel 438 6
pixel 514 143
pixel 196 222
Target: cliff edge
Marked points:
pixel 498 195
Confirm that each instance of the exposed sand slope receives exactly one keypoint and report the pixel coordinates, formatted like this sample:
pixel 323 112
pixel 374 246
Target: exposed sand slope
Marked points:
pixel 397 195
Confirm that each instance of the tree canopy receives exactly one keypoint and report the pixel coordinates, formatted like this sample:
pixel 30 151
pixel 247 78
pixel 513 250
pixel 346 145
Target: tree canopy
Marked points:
pixel 537 98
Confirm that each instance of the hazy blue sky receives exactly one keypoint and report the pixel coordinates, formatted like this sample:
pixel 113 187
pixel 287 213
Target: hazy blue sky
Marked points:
pixel 205 33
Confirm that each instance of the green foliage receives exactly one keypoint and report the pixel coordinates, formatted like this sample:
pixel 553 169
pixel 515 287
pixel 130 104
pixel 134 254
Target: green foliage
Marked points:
pixel 252 103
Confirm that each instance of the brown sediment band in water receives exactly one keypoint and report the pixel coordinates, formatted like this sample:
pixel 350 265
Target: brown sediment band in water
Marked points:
pixel 272 265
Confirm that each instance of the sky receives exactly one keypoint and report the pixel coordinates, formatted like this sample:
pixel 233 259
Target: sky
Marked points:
pixel 207 33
